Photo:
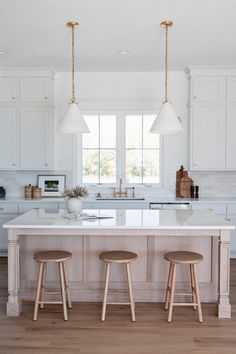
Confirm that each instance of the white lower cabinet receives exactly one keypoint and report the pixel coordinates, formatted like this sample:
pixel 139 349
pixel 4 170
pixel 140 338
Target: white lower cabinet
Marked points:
pixel 232 220
pixel 4 218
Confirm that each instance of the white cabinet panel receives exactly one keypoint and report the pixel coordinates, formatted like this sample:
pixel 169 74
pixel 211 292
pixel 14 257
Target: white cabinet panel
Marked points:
pixel 8 87
pixel 232 220
pixel 34 90
pixel 35 130
pixel 209 89
pixel 216 208
pixel 8 138
pixel 8 208
pixel 208 137
pixel 231 137
pixel 231 89
pixel 3 232
pixel 48 206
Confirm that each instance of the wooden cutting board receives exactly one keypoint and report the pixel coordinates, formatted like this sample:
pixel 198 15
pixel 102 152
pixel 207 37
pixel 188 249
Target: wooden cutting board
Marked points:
pixel 180 174
pixel 185 187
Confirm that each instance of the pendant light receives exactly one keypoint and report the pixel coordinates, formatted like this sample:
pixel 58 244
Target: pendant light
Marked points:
pixel 73 121
pixel 166 121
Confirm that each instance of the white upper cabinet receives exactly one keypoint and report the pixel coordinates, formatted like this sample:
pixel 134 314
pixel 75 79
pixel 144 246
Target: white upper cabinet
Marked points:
pixel 8 138
pixel 35 130
pixel 207 137
pixel 212 107
pixel 231 137
pixel 34 90
pixel 8 89
pixel 26 118
pixel 208 89
pixel 231 89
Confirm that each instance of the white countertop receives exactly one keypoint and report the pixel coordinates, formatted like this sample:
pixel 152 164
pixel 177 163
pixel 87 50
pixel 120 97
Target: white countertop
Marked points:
pixel 122 219
pixel 155 199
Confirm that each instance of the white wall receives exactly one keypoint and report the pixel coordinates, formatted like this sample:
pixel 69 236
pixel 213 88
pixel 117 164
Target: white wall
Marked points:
pixel 125 91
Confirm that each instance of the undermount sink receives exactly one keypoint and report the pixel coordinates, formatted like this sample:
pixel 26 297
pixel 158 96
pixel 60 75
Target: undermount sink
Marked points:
pixel 112 198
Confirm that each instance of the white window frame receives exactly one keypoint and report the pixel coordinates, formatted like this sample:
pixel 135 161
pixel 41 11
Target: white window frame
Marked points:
pixel 120 152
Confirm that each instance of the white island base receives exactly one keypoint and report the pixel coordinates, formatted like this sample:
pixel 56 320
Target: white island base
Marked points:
pixel 149 233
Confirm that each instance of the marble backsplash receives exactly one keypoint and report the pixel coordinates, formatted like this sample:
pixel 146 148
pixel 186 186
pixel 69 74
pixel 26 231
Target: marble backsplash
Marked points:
pixel 215 184
pixel 14 181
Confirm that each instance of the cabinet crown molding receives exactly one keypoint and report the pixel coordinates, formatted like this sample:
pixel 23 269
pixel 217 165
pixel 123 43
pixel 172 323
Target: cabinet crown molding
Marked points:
pixel 210 70
pixel 27 72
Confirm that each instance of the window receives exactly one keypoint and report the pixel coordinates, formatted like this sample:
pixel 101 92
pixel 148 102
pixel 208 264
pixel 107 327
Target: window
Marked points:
pixel 120 145
pixel 99 149
pixel 142 150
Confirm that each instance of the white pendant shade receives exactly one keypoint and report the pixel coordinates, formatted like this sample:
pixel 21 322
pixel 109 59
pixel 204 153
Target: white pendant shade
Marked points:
pixel 73 121
pixel 166 121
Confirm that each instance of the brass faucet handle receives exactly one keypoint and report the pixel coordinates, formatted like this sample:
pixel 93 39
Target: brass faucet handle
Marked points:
pixel 114 191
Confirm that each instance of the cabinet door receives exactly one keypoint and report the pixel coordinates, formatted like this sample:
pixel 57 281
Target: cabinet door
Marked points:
pixel 209 89
pixel 8 90
pixel 231 137
pixel 3 232
pixel 208 138
pixel 232 220
pixel 34 90
pixel 231 89
pixel 8 138
pixel 36 135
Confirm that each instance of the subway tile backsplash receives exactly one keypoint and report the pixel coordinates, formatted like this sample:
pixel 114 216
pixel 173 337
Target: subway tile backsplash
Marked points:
pixel 211 184
pixel 14 181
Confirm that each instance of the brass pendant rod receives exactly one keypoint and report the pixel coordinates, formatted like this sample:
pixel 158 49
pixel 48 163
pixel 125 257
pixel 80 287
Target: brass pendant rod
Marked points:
pixel 73 65
pixel 166 63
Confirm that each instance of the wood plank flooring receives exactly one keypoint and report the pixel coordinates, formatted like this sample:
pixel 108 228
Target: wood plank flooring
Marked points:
pixel 84 333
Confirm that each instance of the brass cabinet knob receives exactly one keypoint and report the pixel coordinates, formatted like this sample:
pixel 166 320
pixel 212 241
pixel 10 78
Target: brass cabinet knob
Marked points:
pixel 1 208
pixel 46 97
pixel 209 209
pixel 195 97
pixel 13 164
pixel 46 164
pixel 13 98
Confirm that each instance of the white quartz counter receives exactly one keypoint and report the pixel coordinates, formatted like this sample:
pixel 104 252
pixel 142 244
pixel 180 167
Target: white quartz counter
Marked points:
pixel 122 219
pixel 155 199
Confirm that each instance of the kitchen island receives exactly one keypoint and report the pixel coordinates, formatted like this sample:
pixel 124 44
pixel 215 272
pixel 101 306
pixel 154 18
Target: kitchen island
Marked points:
pixel 149 233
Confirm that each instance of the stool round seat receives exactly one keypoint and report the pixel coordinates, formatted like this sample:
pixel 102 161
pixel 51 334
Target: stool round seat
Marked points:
pixel 183 257
pixel 52 256
pixel 118 256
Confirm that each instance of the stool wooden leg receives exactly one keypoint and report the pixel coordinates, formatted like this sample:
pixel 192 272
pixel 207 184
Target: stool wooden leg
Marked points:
pixel 197 294
pixel 104 305
pixel 193 286
pixel 63 291
pixel 67 285
pixel 36 305
pixel 168 286
pixel 43 283
pixel 172 293
pixel 130 292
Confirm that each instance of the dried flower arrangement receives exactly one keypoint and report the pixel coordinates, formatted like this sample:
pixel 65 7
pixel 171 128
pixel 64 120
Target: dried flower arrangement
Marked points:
pixel 77 192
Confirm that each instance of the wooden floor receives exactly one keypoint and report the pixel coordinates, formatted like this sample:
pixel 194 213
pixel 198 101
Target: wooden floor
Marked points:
pixel 84 333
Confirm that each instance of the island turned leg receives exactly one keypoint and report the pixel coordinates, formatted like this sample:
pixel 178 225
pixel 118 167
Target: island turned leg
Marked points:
pixel 14 301
pixel 223 305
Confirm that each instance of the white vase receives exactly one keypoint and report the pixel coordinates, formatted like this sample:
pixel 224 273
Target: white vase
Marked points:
pixel 74 205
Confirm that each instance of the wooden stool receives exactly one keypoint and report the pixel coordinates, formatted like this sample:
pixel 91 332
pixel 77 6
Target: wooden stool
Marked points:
pixel 183 257
pixel 54 257
pixel 118 257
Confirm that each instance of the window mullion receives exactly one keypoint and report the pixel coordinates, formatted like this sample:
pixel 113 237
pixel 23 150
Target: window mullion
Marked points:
pixel 120 146
pixel 99 151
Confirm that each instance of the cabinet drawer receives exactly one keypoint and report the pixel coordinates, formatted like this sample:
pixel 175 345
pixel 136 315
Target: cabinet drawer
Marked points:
pixel 216 208
pixel 27 206
pixel 231 209
pixel 8 208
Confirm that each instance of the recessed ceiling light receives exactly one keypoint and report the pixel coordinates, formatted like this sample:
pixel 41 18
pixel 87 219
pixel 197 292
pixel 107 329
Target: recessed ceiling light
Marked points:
pixel 124 52
pixel 2 52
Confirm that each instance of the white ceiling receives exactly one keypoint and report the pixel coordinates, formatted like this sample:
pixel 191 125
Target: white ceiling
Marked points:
pixel 34 33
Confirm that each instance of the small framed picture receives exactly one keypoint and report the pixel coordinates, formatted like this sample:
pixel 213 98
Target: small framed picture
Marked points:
pixel 53 186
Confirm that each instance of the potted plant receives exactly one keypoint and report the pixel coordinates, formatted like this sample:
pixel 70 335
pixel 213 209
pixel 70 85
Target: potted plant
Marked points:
pixel 74 196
